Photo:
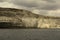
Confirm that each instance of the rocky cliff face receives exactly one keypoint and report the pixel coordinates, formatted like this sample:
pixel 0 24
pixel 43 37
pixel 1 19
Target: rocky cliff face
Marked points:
pixel 24 18
pixel 49 23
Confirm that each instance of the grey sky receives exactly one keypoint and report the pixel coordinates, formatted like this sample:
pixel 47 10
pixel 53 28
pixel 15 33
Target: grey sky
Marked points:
pixel 43 7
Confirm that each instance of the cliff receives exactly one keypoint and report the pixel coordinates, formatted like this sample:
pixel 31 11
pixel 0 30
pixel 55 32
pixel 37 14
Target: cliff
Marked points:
pixel 25 19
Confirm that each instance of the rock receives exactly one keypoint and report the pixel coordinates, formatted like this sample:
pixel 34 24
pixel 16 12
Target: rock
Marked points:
pixel 20 18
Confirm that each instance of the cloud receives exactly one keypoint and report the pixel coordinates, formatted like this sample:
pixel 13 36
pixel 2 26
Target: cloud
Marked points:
pixel 1 0
pixel 6 4
pixel 11 5
pixel 39 4
pixel 54 13
pixel 42 7
pixel 50 1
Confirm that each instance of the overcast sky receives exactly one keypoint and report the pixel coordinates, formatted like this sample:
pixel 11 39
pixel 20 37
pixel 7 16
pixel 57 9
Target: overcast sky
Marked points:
pixel 43 7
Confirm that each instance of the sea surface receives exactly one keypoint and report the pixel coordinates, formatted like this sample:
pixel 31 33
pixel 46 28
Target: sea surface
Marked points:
pixel 29 34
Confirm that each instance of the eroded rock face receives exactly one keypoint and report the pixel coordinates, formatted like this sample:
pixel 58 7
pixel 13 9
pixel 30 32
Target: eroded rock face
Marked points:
pixel 49 23
pixel 24 18
pixel 18 17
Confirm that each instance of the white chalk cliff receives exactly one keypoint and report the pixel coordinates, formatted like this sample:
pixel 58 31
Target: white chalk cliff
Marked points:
pixel 24 18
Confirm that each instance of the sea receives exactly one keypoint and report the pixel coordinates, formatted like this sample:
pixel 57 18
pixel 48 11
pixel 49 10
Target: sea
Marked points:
pixel 30 34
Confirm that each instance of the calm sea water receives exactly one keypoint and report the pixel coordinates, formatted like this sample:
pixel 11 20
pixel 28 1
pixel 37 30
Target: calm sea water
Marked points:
pixel 29 34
